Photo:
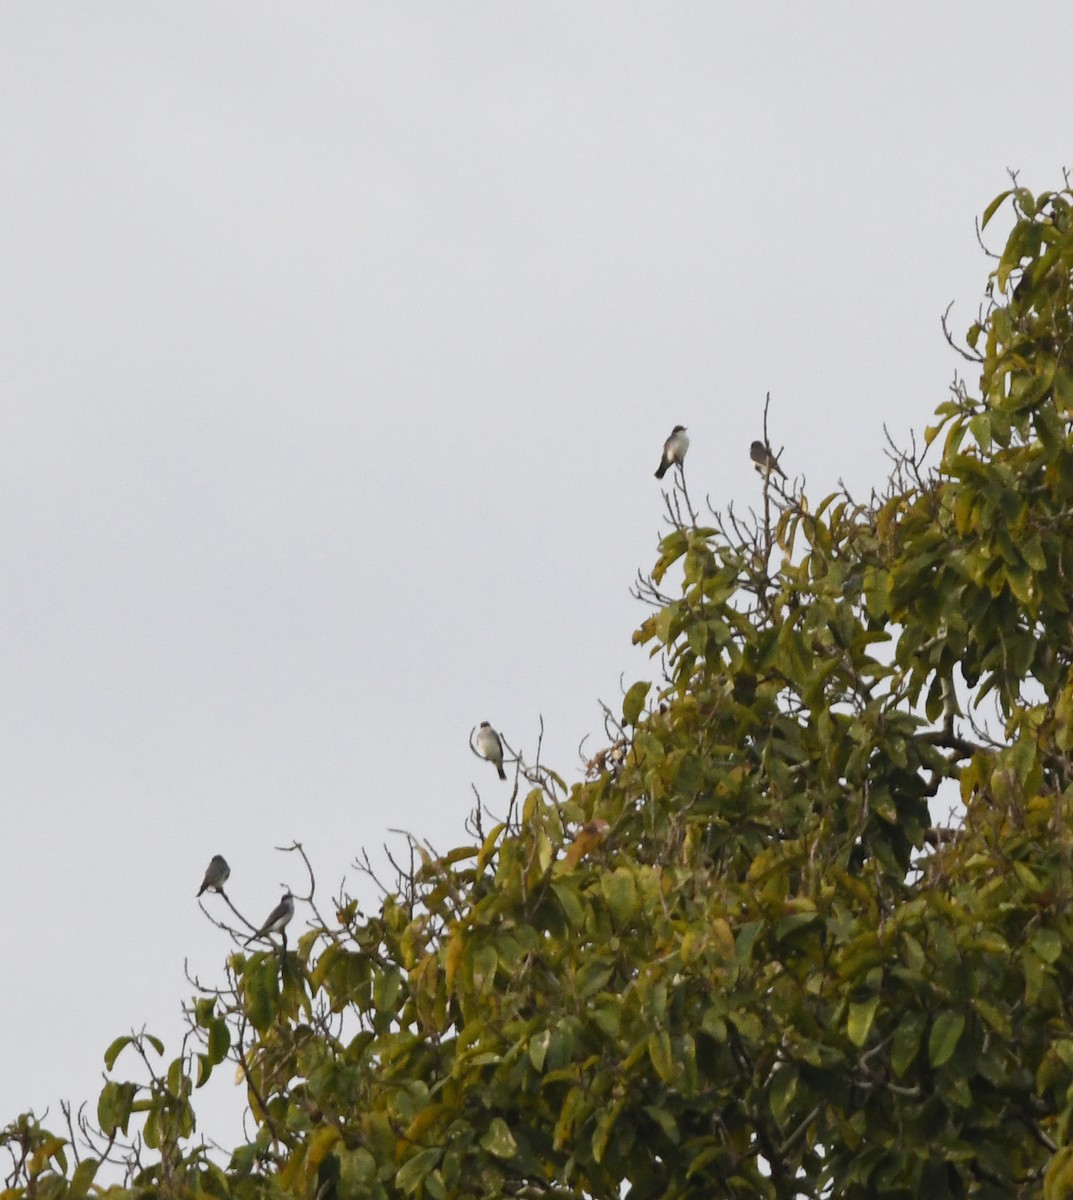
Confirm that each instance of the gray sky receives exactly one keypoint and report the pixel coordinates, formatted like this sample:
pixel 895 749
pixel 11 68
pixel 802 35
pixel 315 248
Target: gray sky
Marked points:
pixel 338 346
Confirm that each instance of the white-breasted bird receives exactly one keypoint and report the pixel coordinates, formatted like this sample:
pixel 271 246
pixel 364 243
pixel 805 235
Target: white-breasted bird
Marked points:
pixel 491 747
pixel 216 875
pixel 674 450
pixel 763 458
pixel 277 919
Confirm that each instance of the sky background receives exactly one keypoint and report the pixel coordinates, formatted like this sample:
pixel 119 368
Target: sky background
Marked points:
pixel 338 344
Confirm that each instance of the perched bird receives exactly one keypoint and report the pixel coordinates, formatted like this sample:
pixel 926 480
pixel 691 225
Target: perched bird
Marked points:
pixel 277 919
pixel 674 450
pixel 216 875
pixel 491 747
pixel 764 459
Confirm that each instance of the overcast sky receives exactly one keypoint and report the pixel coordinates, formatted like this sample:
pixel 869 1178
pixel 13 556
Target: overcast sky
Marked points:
pixel 338 345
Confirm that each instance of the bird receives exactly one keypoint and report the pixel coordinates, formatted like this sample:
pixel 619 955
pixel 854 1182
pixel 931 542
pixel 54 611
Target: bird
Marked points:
pixel 763 458
pixel 216 875
pixel 491 747
pixel 674 450
pixel 277 920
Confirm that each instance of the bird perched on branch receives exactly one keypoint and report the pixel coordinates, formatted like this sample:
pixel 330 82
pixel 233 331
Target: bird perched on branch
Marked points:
pixel 216 875
pixel 277 920
pixel 765 461
pixel 674 450
pixel 491 747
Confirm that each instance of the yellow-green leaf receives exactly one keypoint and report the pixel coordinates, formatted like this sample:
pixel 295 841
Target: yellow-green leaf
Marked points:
pixel 499 1140
pixel 944 1037
pixel 620 892
pixel 634 702
pixel 859 1022
pixel 410 1176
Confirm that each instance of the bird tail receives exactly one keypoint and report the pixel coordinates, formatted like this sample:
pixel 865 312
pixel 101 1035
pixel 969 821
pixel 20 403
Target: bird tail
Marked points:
pixel 201 889
pixel 662 470
pixel 502 773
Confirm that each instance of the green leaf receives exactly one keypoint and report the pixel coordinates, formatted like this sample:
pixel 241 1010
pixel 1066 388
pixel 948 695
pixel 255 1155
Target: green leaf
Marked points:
pixel 746 939
pixel 411 1174
pixel 219 1041
pixel 1035 973
pixel 748 1024
pixel 176 1075
pixel 606 1014
pixel 114 1050
pixel 620 892
pixel 262 991
pixel 713 1024
pixel 634 702
pixel 859 1022
pixel 659 1052
pixel 499 1140
pixel 906 1042
pixel 980 428
pixel 488 846
pixel 485 964
pixel 1032 552
pixel 242 1159
pixel 782 1091
pixel 1047 945
pixel 151 1129
pixel 387 985
pixel 573 1106
pixel 1027 877
pixel 665 1121
pixel 538 1048
pixel 566 893
pixel 115 1105
pixel 106 1107
pixel 944 1037
pixel 689 778
pixel 605 1122
pixel 593 976
pixel 994 1017
pixel 82 1178
pixel 1063 389
pixel 994 206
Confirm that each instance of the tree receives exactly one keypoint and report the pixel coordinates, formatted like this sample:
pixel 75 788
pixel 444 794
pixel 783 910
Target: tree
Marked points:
pixel 739 960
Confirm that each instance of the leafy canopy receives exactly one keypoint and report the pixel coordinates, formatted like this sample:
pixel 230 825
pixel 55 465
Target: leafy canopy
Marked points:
pixel 738 960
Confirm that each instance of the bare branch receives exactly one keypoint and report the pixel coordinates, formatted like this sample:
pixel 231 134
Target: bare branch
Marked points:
pixel 969 356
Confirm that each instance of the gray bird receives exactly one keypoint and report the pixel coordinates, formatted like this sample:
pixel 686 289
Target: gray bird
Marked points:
pixel 674 450
pixel 491 747
pixel 216 875
pixel 277 920
pixel 763 458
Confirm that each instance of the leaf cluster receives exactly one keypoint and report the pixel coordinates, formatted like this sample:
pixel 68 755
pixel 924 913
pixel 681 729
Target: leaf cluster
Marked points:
pixel 740 960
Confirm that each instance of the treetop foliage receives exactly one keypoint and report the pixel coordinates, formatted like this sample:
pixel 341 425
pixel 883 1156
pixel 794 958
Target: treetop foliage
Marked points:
pixel 739 959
